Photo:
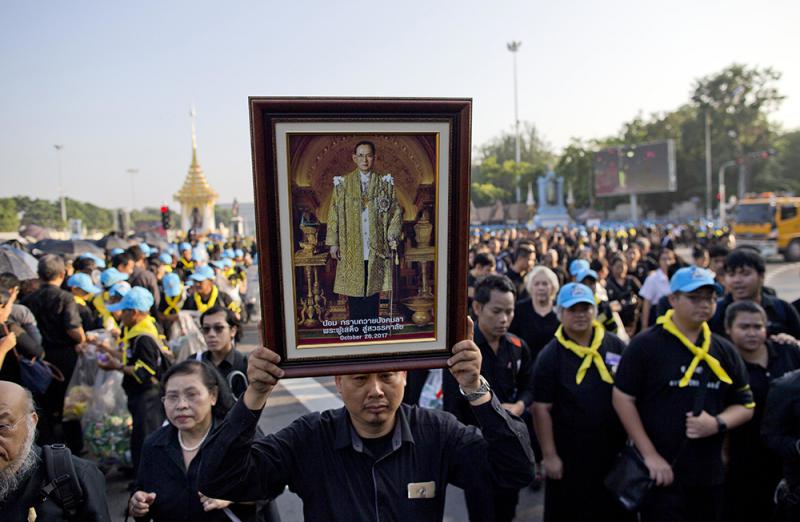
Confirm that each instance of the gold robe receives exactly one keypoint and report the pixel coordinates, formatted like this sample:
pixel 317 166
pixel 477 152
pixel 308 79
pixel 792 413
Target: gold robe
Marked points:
pixel 344 231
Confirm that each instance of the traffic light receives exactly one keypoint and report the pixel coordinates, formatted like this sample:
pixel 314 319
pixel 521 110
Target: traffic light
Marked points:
pixel 165 217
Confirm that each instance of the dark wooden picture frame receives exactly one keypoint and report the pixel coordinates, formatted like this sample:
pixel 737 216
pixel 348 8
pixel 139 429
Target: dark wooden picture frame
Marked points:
pixel 268 115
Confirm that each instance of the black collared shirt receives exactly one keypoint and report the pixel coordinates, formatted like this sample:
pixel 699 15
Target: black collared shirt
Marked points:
pixel 536 330
pixel 781 316
pixel 56 312
pixel 163 472
pixel 509 373
pixel 651 369
pixel 323 460
pixel 780 426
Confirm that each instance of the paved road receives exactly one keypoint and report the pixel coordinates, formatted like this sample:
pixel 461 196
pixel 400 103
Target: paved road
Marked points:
pixel 296 397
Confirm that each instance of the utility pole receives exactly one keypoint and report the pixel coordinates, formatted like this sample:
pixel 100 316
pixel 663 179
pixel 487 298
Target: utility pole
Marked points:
pixel 709 212
pixel 514 46
pixel 61 187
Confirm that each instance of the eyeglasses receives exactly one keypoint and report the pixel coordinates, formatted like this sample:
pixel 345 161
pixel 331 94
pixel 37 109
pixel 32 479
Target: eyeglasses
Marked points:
pixel 6 429
pixel 218 328
pixel 173 399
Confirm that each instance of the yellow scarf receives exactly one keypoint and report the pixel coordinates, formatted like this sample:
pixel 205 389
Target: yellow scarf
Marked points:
pixel 211 300
pixel 700 352
pixel 187 265
pixel 99 303
pixel 80 300
pixel 146 326
pixel 590 355
pixel 167 269
pixel 172 303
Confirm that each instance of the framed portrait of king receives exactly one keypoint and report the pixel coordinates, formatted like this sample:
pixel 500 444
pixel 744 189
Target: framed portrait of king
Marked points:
pixel 362 209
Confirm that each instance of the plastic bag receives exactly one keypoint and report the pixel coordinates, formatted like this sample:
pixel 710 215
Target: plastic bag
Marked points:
pixel 189 340
pixel 107 423
pixel 79 389
pixel 431 395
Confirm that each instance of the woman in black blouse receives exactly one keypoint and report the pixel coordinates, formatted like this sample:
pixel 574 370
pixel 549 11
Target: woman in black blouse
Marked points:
pixel 624 290
pixel 196 398
pixel 534 319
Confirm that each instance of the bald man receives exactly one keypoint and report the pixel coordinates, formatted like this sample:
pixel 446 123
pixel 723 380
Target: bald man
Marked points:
pixel 23 473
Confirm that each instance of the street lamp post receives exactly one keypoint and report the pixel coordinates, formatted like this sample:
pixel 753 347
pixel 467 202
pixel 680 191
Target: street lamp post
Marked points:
pixel 722 216
pixel 61 186
pixel 514 46
pixel 709 214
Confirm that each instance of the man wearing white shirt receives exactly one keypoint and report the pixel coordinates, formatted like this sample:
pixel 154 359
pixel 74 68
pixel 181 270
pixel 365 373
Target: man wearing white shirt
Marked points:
pixel 364 222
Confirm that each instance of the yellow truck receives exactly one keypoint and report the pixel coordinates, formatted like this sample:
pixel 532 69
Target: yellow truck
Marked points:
pixel 769 223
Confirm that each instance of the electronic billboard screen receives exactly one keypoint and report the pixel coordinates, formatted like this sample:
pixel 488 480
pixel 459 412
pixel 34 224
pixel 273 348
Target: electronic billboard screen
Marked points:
pixel 635 169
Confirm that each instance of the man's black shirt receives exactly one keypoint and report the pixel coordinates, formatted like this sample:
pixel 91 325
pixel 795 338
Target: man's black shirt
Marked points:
pixel 323 460
pixel 780 426
pixel 582 407
pixel 534 329
pixel 650 370
pixel 234 361
pixel 781 316
pixel 56 312
pixel 509 373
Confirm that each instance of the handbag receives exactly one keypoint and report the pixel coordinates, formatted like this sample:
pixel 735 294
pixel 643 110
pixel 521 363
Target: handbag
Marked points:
pixel 629 479
pixel 37 374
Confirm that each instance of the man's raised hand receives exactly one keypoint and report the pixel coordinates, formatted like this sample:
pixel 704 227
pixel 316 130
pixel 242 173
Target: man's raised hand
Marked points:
pixel 263 374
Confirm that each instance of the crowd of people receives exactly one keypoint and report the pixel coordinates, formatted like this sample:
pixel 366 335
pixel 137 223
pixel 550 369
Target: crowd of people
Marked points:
pixel 586 345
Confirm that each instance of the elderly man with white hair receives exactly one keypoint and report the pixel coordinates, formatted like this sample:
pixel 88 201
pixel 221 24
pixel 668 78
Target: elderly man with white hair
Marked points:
pixel 27 490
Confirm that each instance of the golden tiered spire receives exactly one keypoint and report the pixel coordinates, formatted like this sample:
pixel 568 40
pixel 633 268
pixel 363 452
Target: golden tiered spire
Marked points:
pixel 195 192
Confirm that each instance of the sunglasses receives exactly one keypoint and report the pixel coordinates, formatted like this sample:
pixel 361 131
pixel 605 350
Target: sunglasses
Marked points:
pixel 218 328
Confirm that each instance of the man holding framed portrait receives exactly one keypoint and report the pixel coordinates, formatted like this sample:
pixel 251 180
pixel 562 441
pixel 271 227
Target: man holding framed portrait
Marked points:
pixel 364 223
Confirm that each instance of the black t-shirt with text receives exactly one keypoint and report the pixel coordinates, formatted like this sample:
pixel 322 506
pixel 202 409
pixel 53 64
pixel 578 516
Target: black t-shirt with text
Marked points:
pixel 650 370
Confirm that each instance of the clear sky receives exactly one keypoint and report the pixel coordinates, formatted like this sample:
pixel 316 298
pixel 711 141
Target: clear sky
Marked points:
pixel 113 82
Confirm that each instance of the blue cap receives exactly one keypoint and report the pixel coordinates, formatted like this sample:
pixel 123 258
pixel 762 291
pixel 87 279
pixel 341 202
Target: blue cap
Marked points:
pixel 172 284
pixel 185 246
pixel 199 253
pixel 574 293
pixel 99 261
pixel 146 249
pixel 137 299
pixel 111 276
pixel 115 251
pixel 119 289
pixel 218 263
pixel 202 273
pixel 165 258
pixel 691 278
pixel 239 252
pixel 577 266
pixel 227 262
pixel 84 282
pixel 583 274
pixel 172 248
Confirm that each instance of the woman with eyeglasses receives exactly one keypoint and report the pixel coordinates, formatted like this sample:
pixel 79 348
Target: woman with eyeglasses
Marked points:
pixel 221 330
pixel 196 398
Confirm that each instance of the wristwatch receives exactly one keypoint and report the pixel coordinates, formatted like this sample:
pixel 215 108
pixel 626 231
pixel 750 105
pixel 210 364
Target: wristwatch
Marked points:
pixel 482 390
pixel 721 426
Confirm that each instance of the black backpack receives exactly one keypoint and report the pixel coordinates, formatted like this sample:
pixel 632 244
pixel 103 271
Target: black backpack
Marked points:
pixel 63 486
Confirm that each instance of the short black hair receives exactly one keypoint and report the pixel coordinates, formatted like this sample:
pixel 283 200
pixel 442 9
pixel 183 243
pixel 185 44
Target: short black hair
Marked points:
pixel 84 263
pixel 523 250
pixel 699 251
pixel 212 379
pixel 745 257
pixel 743 307
pixel 483 259
pixel 364 142
pixel 501 283
pixel 9 280
pixel 230 318
pixel 719 251
pixel 51 267
pixel 136 253
pixel 123 258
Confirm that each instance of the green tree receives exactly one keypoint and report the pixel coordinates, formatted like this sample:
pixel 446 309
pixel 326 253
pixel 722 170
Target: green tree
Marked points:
pixel 575 166
pixel 782 173
pixel 9 220
pixel 484 194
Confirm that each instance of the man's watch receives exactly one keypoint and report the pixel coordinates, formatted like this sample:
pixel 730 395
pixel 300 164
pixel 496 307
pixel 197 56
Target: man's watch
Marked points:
pixel 482 390
pixel 721 426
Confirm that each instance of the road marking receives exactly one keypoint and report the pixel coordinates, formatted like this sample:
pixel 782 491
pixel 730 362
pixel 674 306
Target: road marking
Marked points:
pixel 311 394
pixel 780 271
